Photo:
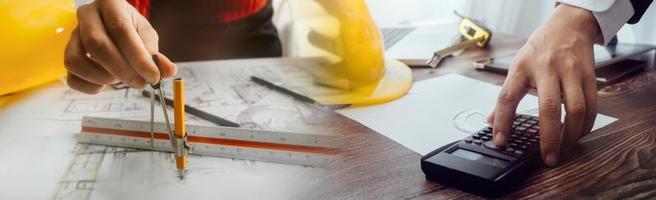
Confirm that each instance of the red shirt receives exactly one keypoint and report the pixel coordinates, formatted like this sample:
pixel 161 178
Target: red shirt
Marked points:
pixel 231 9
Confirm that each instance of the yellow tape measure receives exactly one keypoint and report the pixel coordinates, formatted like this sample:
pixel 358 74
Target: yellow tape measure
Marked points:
pixel 472 33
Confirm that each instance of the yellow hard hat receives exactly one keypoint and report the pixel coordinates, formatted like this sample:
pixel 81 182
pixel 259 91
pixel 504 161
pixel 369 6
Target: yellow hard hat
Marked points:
pixel 33 38
pixel 344 35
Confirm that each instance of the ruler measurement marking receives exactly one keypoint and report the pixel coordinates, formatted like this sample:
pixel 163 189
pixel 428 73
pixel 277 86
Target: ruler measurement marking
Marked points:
pixel 208 140
pixel 271 155
pixel 233 133
pixel 250 144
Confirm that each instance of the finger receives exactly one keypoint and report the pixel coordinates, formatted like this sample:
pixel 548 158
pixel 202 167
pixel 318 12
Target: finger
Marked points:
pixel 165 65
pixel 550 130
pixel 511 94
pixel 590 91
pixel 81 85
pixel 103 51
pixel 490 119
pixel 575 108
pixel 77 63
pixel 120 25
pixel 150 39
pixel 147 34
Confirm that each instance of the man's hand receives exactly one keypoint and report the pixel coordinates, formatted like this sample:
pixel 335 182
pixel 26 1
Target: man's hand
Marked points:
pixel 558 60
pixel 113 43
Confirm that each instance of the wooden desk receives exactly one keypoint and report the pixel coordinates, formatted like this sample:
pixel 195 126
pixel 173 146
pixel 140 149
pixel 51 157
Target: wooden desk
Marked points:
pixel 617 162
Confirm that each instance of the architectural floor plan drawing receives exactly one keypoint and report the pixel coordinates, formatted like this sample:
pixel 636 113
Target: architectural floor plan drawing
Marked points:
pixel 111 102
pixel 228 91
pixel 223 88
pixel 102 172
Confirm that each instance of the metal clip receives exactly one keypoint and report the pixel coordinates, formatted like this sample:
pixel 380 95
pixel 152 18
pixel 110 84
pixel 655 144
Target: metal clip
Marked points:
pixel 186 144
pixel 182 146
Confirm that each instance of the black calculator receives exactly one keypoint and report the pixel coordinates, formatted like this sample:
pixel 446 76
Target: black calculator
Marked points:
pixel 476 165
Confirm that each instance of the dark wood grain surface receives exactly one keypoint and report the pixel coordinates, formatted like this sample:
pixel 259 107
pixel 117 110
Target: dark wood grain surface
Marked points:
pixel 615 162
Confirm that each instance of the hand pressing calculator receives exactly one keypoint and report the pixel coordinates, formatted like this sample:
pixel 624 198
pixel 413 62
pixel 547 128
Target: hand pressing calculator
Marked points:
pixel 476 165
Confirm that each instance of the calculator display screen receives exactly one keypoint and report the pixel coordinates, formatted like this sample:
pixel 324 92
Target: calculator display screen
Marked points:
pixel 480 158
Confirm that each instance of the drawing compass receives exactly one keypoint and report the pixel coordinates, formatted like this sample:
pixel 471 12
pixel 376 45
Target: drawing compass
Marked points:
pixel 177 137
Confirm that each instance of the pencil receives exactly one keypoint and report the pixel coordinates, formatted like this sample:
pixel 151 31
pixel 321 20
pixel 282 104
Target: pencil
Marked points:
pixel 298 96
pixel 180 132
pixel 284 90
pixel 197 112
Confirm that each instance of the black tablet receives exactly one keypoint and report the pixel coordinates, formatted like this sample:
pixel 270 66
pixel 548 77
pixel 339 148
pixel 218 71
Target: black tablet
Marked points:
pixel 611 62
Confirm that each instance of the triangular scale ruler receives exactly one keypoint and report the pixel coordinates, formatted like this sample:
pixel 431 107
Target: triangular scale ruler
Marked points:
pixel 240 143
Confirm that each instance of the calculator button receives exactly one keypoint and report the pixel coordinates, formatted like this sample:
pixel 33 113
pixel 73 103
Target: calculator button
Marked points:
pixel 517 123
pixel 481 134
pixel 513 145
pixel 489 134
pixel 513 136
pixel 478 142
pixel 521 120
pixel 488 129
pixel 524 147
pixel 491 145
pixel 519 152
pixel 476 136
pixel 486 138
pixel 468 140
pixel 510 149
pixel 536 127
pixel 521 128
pixel 524 138
pixel 530 121
pixel 527 125
pixel 533 140
pixel 534 131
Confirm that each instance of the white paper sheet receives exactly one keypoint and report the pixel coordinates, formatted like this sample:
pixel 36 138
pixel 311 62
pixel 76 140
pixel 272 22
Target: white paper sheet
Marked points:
pixel 40 158
pixel 439 111
pixel 424 41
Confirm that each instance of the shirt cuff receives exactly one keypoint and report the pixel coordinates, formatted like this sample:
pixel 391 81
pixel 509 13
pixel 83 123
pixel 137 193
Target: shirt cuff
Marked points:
pixel 611 15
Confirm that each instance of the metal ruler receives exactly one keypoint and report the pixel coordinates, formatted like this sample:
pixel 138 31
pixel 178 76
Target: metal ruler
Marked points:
pixel 240 143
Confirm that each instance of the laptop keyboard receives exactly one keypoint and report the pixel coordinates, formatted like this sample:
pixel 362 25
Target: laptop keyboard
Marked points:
pixel 392 36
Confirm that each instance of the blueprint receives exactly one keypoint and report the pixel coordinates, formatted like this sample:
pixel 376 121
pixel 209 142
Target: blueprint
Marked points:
pixel 42 159
pixel 225 90
pixel 102 172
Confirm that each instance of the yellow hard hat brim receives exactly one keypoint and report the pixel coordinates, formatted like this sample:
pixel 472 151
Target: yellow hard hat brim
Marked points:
pixel 395 83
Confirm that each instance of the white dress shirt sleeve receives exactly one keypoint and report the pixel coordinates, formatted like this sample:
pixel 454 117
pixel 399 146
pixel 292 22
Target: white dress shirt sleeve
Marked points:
pixel 611 15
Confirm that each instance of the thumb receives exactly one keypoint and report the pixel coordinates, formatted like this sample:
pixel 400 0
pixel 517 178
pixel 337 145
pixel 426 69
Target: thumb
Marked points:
pixel 166 67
